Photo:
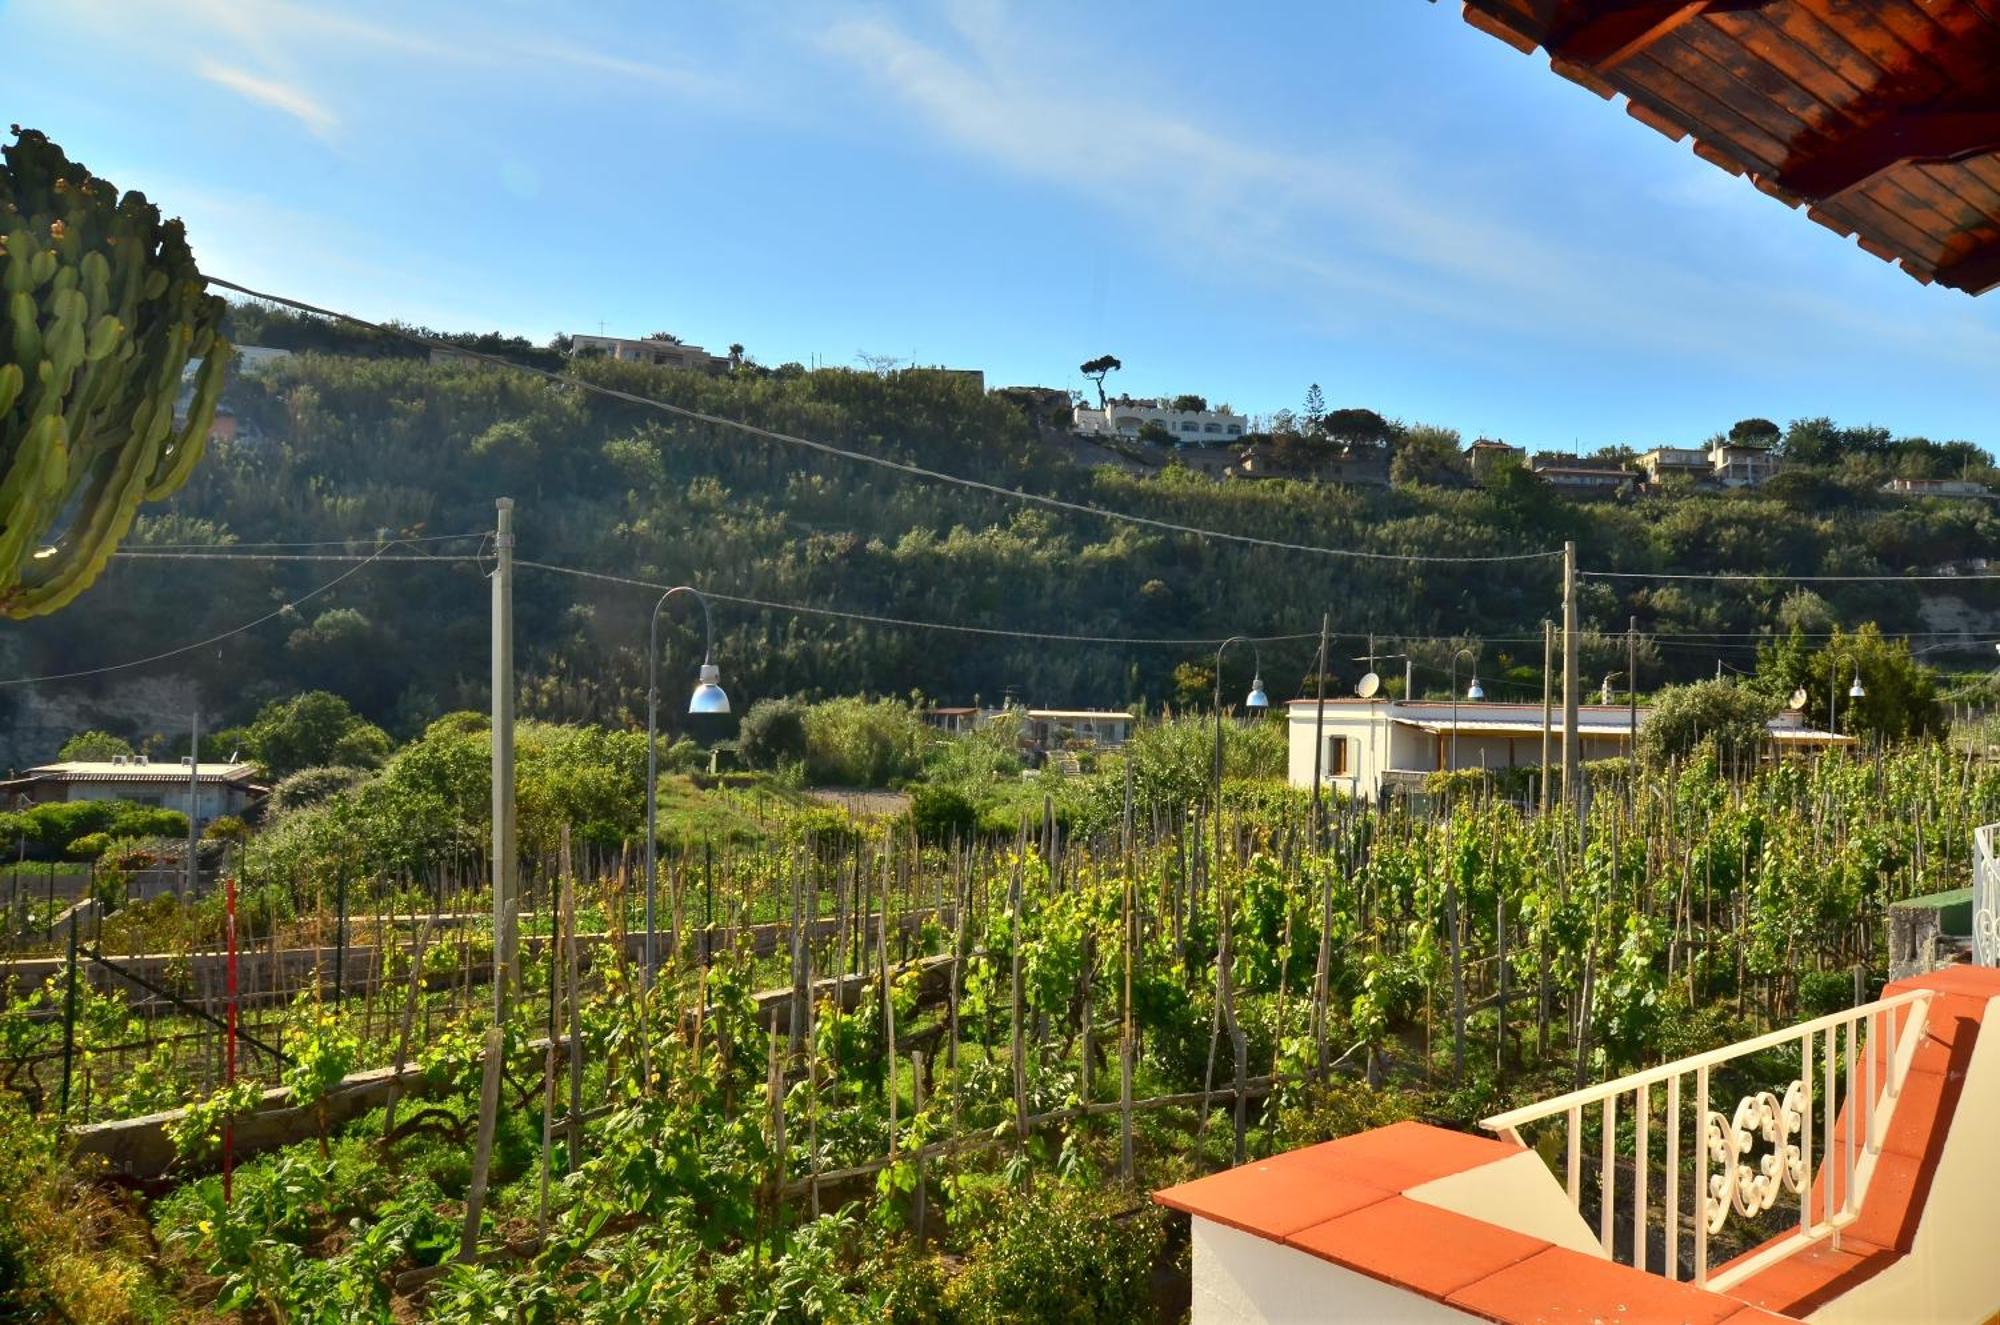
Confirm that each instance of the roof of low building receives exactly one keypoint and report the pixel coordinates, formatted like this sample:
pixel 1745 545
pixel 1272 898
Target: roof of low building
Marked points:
pixel 105 770
pixel 1082 715
pixel 1876 118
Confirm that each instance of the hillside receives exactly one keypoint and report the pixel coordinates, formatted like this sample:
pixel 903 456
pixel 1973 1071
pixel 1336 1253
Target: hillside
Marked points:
pixel 332 446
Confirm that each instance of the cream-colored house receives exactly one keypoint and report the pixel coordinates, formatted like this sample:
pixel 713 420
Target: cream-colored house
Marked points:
pixel 1373 745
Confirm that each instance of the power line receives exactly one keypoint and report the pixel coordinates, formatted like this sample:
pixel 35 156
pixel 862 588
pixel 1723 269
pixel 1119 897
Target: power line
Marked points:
pixel 231 633
pixel 327 542
pixel 869 618
pixel 862 457
pixel 1778 575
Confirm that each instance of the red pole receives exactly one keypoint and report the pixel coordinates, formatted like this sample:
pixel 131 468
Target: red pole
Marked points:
pixel 229 1043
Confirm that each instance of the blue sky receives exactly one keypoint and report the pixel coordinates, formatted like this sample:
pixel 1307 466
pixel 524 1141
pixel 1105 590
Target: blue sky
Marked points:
pixel 1235 200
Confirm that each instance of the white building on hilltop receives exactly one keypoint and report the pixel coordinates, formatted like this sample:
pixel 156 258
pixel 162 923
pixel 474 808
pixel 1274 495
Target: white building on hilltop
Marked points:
pixel 1189 427
pixel 1375 745
pixel 662 353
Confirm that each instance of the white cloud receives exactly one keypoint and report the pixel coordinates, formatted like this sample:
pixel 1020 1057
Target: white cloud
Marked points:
pixel 270 92
pixel 1358 233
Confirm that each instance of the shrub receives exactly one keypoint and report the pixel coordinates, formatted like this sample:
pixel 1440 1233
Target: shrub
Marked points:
pixel 88 847
pixel 859 743
pixel 93 745
pixel 773 734
pixel 310 786
pixel 1065 1254
pixel 943 813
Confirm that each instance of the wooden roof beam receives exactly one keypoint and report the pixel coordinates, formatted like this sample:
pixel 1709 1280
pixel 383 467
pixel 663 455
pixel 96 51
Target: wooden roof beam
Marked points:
pixel 1925 137
pixel 1604 36
pixel 1976 272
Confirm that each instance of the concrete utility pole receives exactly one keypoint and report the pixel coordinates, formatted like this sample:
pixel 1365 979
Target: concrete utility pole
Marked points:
pixel 1632 684
pixel 1319 723
pixel 194 801
pixel 505 854
pixel 1548 702
pixel 1572 676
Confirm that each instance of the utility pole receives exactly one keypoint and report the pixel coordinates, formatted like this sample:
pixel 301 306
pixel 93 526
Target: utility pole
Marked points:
pixel 505 855
pixel 1548 702
pixel 1409 679
pixel 194 800
pixel 1632 684
pixel 1572 676
pixel 1319 723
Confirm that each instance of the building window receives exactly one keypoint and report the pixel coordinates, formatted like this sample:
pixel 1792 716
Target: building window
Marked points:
pixel 1212 427
pixel 1336 756
pixel 1190 426
pixel 1235 430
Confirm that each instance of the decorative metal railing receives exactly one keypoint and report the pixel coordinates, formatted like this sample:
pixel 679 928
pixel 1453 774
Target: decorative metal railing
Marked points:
pixel 1740 1163
pixel 1985 897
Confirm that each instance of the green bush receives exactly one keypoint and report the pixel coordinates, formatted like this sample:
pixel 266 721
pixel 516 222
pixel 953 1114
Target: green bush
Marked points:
pixel 1065 1255
pixel 943 813
pixel 773 734
pixel 862 743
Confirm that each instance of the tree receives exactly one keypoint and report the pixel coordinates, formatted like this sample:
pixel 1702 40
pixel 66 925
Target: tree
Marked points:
pixel 1190 402
pixel 108 309
pixel 1314 412
pixel 93 746
pixel 1358 427
pixel 1428 456
pixel 1682 718
pixel 1154 433
pixel 1194 685
pixel 1754 432
pixel 313 730
pixel 1097 369
pixel 1899 694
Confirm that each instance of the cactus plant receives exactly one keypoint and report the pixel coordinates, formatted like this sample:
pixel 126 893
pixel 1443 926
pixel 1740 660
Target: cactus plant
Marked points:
pixel 101 311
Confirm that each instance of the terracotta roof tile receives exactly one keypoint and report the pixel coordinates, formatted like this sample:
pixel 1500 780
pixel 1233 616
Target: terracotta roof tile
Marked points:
pixel 1813 1276
pixel 1272 1198
pixel 1433 1251
pixel 1405 1155
pixel 1563 1287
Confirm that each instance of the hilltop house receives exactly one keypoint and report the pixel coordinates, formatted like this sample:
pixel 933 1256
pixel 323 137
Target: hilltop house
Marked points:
pixel 1739 465
pixel 1665 462
pixel 1584 480
pixel 1935 487
pixel 1376 745
pixel 662 353
pixel 219 789
pixel 1125 417
pixel 1485 456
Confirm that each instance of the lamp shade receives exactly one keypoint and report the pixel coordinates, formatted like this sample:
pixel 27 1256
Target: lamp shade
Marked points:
pixel 1257 699
pixel 1475 690
pixel 1855 691
pixel 708 696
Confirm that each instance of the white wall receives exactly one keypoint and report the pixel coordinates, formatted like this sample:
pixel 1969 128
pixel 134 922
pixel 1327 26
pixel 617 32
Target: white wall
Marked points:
pixel 1951 1276
pixel 1518 1192
pixel 1242 1279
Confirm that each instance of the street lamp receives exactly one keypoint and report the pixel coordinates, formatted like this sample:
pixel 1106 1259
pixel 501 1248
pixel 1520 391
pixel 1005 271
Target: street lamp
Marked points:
pixel 1854 691
pixel 1256 700
pixel 708 697
pixel 1474 692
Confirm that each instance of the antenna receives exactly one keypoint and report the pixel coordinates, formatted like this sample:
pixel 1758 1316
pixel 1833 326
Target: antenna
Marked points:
pixel 1368 686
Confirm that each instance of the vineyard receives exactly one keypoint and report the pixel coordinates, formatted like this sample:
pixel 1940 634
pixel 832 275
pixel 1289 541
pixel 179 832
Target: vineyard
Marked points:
pixel 881 1073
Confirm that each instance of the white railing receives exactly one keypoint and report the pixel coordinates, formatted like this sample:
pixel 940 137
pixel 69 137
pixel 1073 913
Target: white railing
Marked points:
pixel 1985 897
pixel 1726 1179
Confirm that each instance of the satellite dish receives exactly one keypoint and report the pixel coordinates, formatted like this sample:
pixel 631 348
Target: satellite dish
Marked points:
pixel 1368 686
pixel 1798 700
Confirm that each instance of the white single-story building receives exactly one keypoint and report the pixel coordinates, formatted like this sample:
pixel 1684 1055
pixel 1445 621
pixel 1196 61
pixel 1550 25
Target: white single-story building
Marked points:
pixel 219 788
pixel 1373 744
pixel 1052 729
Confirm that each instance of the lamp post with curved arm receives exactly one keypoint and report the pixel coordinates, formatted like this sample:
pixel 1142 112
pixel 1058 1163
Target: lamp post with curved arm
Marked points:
pixel 1256 701
pixel 1854 690
pixel 1475 692
pixel 708 697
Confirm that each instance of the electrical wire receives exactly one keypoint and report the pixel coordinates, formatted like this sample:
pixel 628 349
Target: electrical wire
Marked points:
pixel 327 542
pixel 231 633
pixel 873 619
pixel 862 457
pixel 1780 575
